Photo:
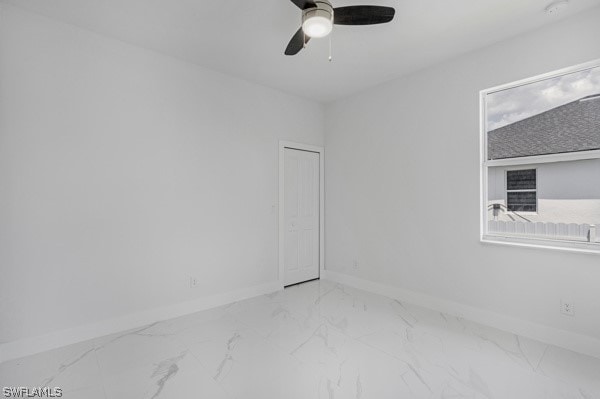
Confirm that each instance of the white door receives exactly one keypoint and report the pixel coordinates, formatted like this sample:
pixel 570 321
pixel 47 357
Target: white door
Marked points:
pixel 301 216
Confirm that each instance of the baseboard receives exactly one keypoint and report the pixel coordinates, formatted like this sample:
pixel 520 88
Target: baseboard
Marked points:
pixel 30 346
pixel 569 340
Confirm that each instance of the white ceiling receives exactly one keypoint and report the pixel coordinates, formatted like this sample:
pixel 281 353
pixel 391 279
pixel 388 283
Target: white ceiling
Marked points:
pixel 247 38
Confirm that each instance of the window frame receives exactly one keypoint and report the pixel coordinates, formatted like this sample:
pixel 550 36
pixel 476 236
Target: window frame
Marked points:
pixel 520 163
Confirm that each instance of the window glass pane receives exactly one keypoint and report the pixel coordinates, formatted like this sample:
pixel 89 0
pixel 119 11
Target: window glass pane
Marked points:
pixel 520 179
pixel 552 116
pixel 521 201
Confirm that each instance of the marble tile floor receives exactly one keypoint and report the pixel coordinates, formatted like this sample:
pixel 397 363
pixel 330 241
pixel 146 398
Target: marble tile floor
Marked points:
pixel 315 340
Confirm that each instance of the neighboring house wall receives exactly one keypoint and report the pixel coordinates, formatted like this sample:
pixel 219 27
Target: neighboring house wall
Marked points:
pixel 567 192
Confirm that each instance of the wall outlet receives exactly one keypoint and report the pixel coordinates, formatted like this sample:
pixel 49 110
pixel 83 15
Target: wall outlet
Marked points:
pixel 194 282
pixel 567 308
pixel 355 264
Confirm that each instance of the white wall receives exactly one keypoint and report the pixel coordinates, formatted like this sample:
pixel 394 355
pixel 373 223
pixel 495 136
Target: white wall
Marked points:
pixel 567 192
pixel 123 172
pixel 393 149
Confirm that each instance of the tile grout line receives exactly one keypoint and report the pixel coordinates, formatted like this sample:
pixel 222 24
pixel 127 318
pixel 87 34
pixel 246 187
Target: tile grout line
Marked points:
pixel 100 371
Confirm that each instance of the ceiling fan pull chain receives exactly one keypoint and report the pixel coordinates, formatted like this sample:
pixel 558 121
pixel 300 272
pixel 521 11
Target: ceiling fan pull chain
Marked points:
pixel 330 47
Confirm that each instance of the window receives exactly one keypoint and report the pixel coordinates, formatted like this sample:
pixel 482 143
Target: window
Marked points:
pixel 540 160
pixel 521 190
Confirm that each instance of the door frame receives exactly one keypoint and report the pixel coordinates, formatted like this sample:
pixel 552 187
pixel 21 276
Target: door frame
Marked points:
pixel 321 151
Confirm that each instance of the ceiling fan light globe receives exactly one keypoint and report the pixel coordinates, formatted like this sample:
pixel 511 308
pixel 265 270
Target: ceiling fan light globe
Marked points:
pixel 317 23
pixel 317 26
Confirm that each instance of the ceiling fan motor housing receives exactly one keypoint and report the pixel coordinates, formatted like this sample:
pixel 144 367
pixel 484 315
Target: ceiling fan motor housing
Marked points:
pixel 323 9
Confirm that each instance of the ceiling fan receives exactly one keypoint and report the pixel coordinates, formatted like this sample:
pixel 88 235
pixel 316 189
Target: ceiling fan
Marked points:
pixel 318 18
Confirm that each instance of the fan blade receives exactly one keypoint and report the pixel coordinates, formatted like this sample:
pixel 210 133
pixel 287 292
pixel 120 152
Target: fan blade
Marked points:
pixel 304 4
pixel 362 15
pixel 297 43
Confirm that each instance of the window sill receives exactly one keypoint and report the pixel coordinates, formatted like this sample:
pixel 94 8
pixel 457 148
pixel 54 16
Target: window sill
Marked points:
pixel 532 242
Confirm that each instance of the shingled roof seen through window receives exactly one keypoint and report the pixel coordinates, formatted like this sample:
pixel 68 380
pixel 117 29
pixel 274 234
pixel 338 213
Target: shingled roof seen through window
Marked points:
pixel 569 128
